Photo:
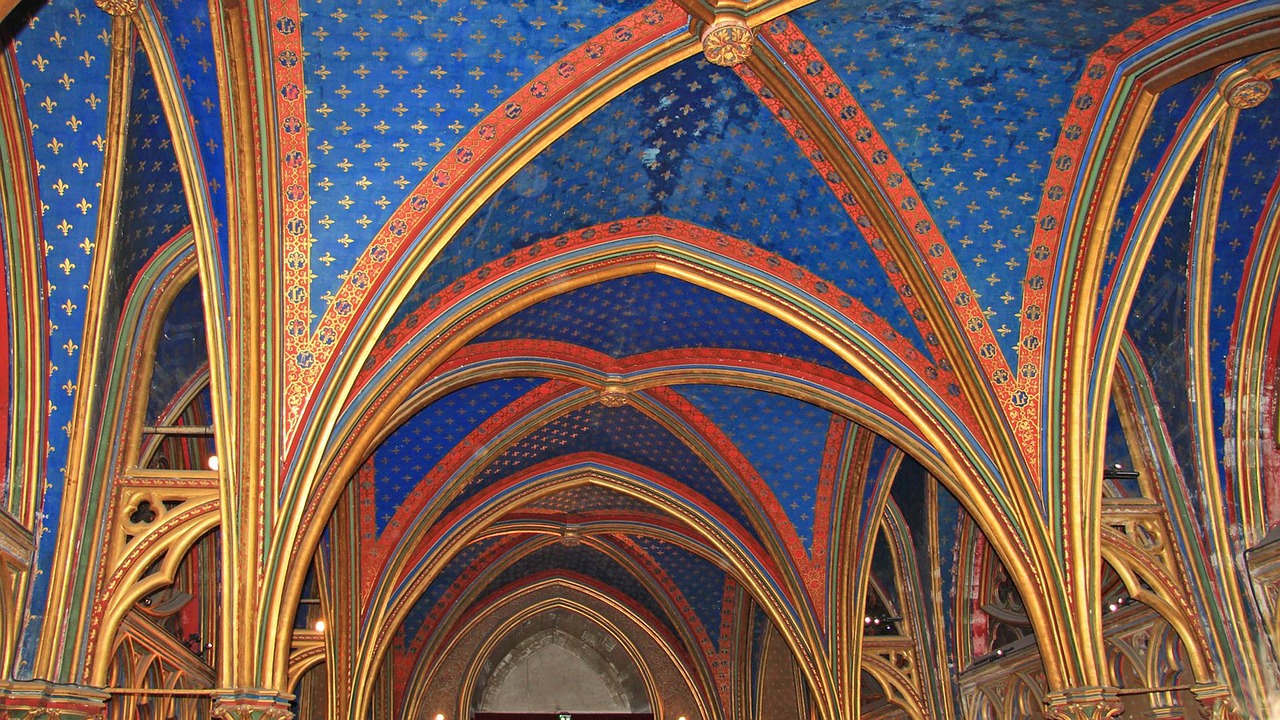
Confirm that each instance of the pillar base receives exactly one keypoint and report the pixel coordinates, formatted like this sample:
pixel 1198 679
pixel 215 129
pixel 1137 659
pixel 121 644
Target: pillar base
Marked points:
pixel 1087 703
pixel 40 699
pixel 251 704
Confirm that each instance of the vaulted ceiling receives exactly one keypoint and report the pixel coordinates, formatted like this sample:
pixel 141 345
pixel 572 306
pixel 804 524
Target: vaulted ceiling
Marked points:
pixel 547 293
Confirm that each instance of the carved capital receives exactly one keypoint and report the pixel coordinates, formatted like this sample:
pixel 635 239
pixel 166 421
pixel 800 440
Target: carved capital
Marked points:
pixel 52 701
pixel 252 704
pixel 118 8
pixel 17 545
pixel 1087 703
pixel 1216 702
pixel 728 41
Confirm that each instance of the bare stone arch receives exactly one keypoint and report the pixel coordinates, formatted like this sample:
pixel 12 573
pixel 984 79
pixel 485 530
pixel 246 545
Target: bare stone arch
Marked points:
pixel 559 645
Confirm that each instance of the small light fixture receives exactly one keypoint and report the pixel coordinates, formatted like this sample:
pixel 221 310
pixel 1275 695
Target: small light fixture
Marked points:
pixel 439 716
pixel 320 626
pixel 213 463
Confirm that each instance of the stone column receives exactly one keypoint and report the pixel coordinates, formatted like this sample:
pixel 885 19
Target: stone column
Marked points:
pixel 1166 705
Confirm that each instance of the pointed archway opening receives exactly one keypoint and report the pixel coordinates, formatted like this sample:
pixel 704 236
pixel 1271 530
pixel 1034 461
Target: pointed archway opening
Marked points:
pixel 557 664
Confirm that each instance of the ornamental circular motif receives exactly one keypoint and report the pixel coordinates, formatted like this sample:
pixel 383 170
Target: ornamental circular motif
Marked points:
pixel 613 399
pixel 1248 93
pixel 728 42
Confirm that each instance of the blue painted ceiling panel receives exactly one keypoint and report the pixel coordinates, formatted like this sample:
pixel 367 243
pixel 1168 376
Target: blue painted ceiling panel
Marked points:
pixel 972 109
pixel 692 143
pixel 1158 323
pixel 430 597
pixel 414 448
pixel 699 581
pixel 623 432
pixel 783 439
pixel 585 560
pixel 643 313
pixel 394 86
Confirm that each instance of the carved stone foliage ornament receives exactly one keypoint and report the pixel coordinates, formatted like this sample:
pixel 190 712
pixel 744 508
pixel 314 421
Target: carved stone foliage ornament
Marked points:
pixel 252 705
pixel 614 395
pixel 1082 704
pixel 728 42
pixel 225 710
pixel 117 8
pixel 1249 92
